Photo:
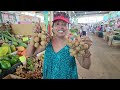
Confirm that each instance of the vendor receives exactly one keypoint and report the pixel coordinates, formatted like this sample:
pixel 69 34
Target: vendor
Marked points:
pixel 58 63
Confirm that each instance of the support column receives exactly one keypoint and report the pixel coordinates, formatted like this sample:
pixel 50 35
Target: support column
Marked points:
pixel 51 19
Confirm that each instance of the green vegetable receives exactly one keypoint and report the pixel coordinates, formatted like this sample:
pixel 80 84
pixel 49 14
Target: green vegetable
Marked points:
pixel 29 62
pixel 31 67
pixel 3 38
pixel 15 43
pixel 8 37
pixel 6 40
pixel 5 64
pixel 23 44
pixel 13 61
pixel 11 36
pixel 9 50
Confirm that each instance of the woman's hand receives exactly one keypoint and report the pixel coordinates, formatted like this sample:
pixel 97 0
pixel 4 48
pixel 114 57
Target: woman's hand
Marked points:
pixel 84 60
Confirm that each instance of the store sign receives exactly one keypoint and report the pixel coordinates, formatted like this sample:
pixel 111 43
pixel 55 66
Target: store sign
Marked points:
pixel 25 38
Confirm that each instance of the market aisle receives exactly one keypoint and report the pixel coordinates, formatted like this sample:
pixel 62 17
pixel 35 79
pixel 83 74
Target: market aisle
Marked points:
pixel 105 61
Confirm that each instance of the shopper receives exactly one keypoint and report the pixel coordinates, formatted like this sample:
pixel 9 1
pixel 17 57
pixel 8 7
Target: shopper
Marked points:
pixel 84 30
pixel 58 64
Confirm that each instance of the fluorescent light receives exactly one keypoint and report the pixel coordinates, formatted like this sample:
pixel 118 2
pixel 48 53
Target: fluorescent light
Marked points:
pixel 85 12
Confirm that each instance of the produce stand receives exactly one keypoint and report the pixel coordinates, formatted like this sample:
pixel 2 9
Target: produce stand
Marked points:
pixel 11 76
pixel 10 71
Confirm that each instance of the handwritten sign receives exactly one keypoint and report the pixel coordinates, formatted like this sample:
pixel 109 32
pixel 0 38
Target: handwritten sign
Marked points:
pixel 25 38
pixel 22 58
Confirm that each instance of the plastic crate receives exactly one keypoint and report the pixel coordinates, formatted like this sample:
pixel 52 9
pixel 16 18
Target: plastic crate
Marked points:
pixel 10 71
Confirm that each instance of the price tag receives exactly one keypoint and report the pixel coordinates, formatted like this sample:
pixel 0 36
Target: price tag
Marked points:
pixel 22 58
pixel 25 39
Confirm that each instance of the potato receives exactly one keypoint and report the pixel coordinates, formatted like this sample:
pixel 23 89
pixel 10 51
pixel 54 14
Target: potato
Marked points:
pixel 36 39
pixel 36 45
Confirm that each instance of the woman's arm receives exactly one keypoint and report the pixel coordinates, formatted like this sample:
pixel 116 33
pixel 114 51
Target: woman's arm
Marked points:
pixel 30 48
pixel 38 50
pixel 85 61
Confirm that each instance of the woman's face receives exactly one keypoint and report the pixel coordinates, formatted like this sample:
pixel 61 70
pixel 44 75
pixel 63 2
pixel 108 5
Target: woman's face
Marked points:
pixel 60 28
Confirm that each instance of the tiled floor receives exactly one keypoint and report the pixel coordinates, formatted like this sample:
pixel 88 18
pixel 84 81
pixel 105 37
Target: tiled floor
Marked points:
pixel 105 61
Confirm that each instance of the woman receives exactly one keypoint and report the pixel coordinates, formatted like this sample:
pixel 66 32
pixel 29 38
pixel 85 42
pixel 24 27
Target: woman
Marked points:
pixel 58 64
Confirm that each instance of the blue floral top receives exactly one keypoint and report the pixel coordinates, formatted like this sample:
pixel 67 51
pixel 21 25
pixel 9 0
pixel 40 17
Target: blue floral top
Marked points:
pixel 59 65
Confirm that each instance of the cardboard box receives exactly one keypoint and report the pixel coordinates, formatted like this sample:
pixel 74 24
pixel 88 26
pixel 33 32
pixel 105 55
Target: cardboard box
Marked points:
pixel 23 29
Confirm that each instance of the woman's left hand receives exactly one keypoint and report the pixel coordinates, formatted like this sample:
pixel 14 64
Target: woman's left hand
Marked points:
pixel 87 54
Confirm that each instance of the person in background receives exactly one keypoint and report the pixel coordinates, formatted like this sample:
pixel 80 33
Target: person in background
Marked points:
pixel 84 30
pixel 58 63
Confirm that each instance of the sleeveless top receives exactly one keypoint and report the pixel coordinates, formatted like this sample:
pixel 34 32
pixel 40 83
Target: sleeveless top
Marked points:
pixel 59 65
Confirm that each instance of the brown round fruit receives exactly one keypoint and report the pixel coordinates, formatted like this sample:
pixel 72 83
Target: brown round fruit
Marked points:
pixel 82 43
pixel 36 45
pixel 36 39
pixel 77 43
pixel 43 43
pixel 85 46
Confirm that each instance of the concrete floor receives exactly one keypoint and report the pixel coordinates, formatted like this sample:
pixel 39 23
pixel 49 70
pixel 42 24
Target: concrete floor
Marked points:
pixel 105 61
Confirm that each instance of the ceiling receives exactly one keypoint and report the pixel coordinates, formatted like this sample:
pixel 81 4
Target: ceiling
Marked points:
pixel 81 13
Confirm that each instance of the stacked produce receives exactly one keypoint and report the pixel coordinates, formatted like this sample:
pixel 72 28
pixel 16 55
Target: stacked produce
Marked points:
pixel 32 69
pixel 6 37
pixel 7 61
pixel 78 46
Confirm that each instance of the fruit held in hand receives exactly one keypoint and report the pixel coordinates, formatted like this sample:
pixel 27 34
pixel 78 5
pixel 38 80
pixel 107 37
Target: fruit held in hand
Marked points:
pixel 85 46
pixel 36 44
pixel 36 39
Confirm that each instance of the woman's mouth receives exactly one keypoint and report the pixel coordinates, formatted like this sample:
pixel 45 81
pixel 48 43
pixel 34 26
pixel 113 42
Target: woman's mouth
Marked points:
pixel 60 31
